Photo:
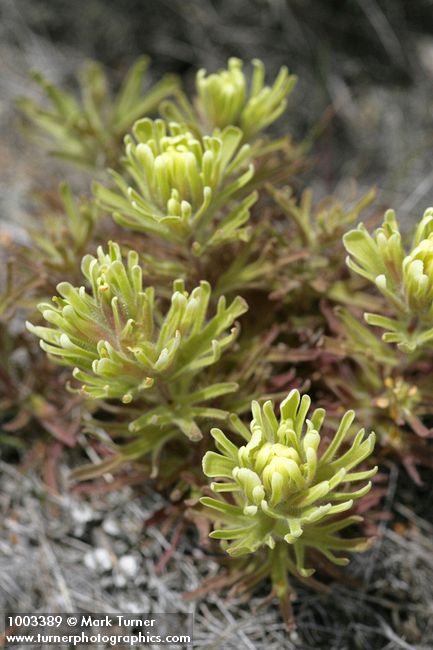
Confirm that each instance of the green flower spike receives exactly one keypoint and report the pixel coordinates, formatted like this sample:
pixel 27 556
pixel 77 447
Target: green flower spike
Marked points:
pixel 224 98
pixel 406 280
pixel 88 131
pixel 118 340
pixel 286 493
pixel 181 183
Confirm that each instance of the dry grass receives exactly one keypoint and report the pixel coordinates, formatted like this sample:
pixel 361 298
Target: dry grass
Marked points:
pixel 69 553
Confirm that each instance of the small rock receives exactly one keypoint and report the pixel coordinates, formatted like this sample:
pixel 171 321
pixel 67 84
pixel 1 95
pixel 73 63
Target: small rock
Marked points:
pixel 111 527
pixel 82 513
pixel 120 580
pixel 98 560
pixel 128 565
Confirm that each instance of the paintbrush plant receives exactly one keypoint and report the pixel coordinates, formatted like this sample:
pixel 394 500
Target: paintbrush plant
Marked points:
pixel 123 345
pixel 207 222
pixel 287 487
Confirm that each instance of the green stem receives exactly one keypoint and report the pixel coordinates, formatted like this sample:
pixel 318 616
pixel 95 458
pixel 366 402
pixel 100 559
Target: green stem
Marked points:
pixel 280 582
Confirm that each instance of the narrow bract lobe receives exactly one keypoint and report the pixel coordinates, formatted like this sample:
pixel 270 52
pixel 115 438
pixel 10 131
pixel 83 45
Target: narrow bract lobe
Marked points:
pixel 284 487
pixel 116 337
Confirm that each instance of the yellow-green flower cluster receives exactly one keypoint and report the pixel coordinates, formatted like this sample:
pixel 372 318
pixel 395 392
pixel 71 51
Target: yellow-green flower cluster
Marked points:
pixel 224 98
pixel 181 181
pixel 227 98
pixel 286 486
pixel 117 338
pixel 405 279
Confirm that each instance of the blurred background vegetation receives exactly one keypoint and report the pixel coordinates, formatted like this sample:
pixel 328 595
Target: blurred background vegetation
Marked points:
pixel 365 70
